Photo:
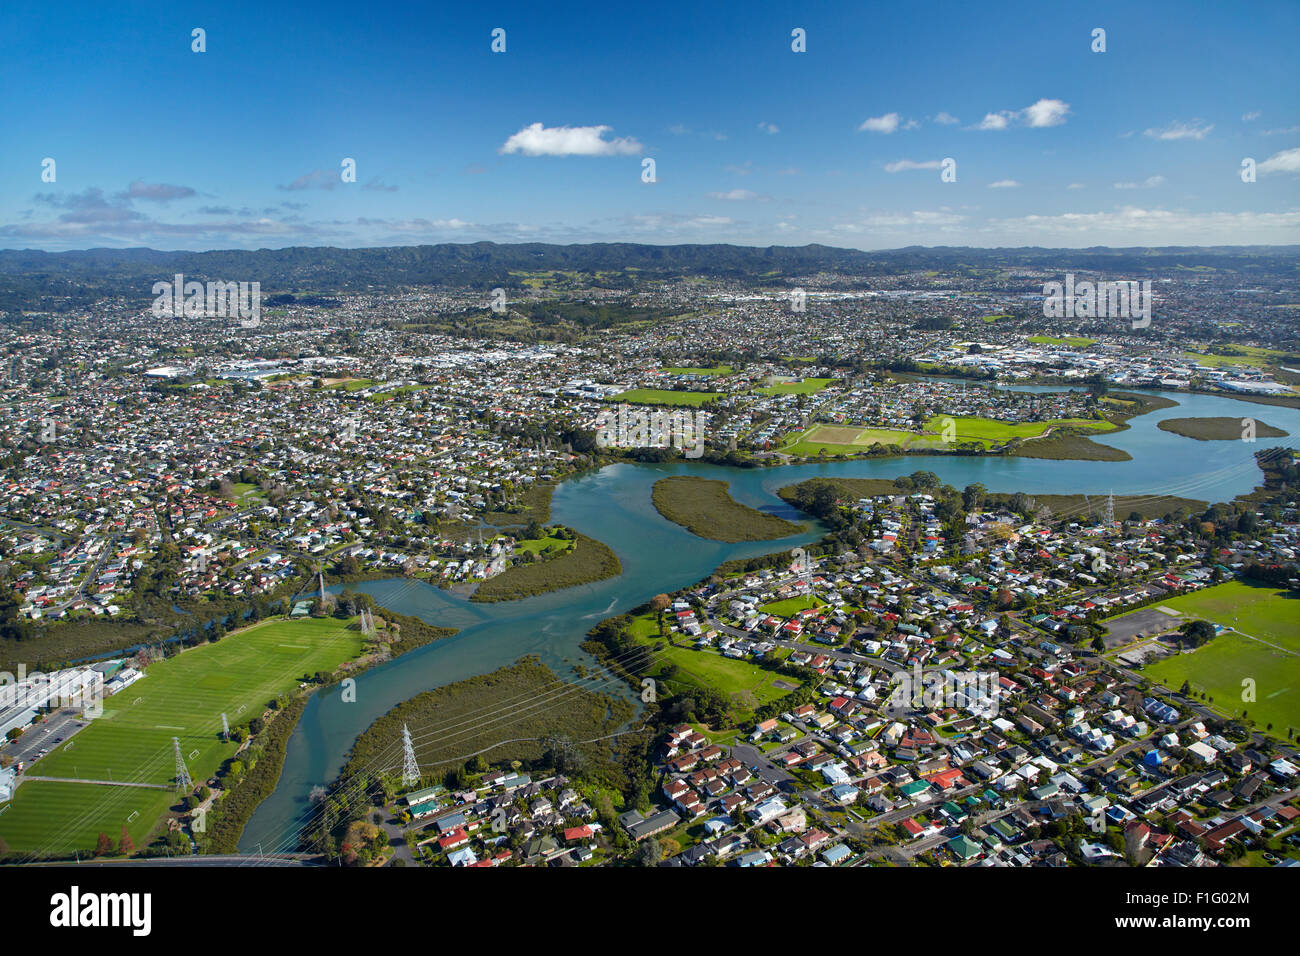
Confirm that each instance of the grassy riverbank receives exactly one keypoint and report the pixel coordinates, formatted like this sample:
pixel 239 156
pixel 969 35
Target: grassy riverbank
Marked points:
pixel 1148 506
pixel 1069 446
pixel 704 507
pixel 588 560
pixel 504 715
pixel 1217 429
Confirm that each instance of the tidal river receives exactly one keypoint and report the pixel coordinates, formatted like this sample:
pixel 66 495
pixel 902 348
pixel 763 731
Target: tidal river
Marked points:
pixel 613 505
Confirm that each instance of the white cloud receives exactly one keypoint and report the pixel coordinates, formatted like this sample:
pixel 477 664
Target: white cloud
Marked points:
pixel 1004 184
pixel 1133 226
pixel 1038 115
pixel 770 128
pixel 1193 130
pixel 735 195
pixel 1046 113
pixel 1151 182
pixel 1287 161
pixel 539 140
pixel 1075 186
pixel 934 218
pixel 946 119
pixel 905 164
pixel 880 124
pixel 1252 115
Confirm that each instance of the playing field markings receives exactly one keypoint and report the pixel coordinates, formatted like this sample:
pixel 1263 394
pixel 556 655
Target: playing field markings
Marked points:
pixel 1168 610
pixel 296 647
pixel 193 754
pixel 160 758
pixel 134 814
pixel 167 727
pixel 136 701
pixel 68 745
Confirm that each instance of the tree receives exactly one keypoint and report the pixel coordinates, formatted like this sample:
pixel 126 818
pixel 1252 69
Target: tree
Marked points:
pixel 103 846
pixel 649 853
pixel 1196 633
pixel 660 603
pixel 125 846
pixel 1098 644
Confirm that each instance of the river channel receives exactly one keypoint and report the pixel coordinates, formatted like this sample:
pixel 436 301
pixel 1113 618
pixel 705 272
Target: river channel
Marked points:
pixel 613 505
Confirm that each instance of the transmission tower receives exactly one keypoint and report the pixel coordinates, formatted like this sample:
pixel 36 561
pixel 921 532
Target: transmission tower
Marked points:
pixel 183 782
pixel 1110 510
pixel 225 728
pixel 410 769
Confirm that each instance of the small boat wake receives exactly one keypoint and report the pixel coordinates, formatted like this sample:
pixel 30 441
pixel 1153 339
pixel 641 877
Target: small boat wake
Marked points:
pixel 604 613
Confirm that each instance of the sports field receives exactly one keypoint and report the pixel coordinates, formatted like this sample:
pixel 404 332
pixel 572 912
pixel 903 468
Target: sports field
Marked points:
pixel 851 440
pixel 1219 667
pixel 661 396
pixel 182 697
pixel 990 432
pixel 804 387
pixel 1250 355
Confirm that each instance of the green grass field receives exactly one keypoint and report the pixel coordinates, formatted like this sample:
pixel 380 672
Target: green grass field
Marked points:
pixel 181 697
pixel 804 387
pixel 1261 612
pixel 989 431
pixel 1252 356
pixel 1073 341
pixel 851 440
pixel 792 605
pixel 397 392
pixel 1219 667
pixel 847 440
pixel 660 396
pixel 707 668
pixel 547 545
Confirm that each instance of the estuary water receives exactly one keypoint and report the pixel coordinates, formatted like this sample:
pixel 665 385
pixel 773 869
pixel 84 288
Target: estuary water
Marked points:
pixel 613 505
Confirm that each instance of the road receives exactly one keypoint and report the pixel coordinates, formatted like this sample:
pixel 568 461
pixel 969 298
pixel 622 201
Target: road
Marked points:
pixel 57 729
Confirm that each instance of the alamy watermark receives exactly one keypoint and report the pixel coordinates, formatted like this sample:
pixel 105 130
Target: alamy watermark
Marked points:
pixel 1128 299
pixel 628 427
pixel 977 691
pixel 78 688
pixel 194 300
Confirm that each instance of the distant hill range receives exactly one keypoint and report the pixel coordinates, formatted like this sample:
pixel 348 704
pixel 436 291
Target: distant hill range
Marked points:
pixel 31 279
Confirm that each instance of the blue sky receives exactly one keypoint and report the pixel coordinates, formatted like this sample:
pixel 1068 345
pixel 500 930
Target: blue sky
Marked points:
pixel 1055 145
